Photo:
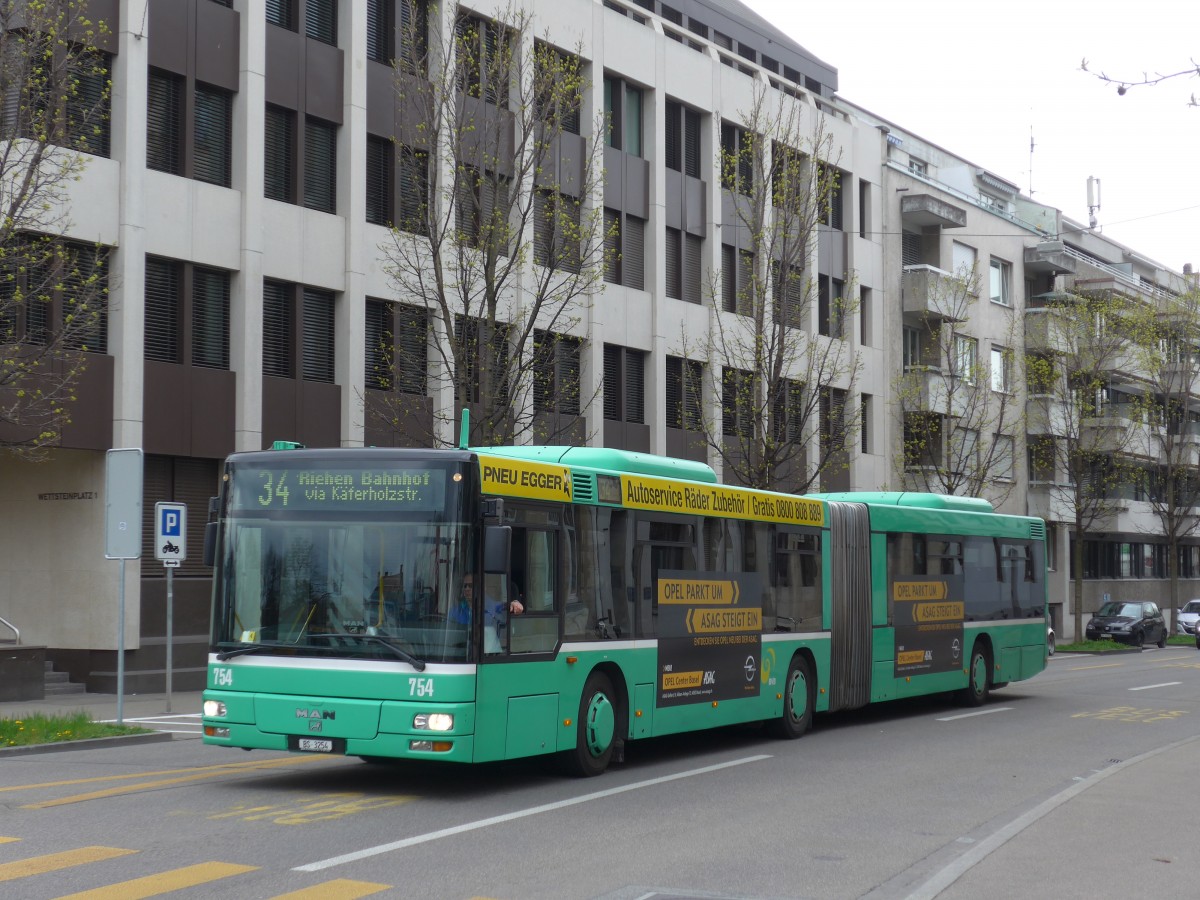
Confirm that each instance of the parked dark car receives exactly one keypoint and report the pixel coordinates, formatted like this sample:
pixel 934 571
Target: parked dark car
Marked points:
pixel 1134 622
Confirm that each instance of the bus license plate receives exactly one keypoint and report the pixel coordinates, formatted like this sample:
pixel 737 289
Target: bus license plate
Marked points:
pixel 315 745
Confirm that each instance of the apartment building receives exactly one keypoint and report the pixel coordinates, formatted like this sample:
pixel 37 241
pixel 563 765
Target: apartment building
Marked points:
pixel 250 168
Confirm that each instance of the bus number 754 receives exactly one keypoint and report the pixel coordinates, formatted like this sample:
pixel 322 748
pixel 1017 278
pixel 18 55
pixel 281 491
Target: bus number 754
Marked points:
pixel 420 687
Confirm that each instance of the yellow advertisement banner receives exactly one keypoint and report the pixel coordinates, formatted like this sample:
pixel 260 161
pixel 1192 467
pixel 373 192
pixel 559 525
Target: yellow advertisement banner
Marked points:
pixel 950 611
pixel 918 590
pixel 638 492
pixel 692 591
pixel 517 478
pixel 713 621
pixel 674 681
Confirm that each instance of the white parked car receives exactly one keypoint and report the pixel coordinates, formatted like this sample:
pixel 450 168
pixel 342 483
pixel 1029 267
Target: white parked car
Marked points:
pixel 1185 621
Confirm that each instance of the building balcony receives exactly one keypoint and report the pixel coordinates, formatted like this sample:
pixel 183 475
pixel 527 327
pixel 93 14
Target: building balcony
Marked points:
pixel 930 292
pixel 928 389
pixel 1047 331
pixel 1121 431
pixel 1050 501
pixel 1124 514
pixel 1049 258
pixel 1047 415
pixel 926 210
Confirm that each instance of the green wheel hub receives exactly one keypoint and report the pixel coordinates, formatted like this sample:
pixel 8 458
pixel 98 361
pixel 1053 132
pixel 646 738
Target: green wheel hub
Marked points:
pixel 600 724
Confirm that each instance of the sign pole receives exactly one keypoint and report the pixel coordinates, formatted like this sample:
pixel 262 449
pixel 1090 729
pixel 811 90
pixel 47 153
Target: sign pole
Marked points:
pixel 121 647
pixel 170 622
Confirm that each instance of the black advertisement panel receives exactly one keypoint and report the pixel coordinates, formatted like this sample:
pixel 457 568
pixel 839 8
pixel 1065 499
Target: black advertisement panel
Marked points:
pixel 709 636
pixel 928 615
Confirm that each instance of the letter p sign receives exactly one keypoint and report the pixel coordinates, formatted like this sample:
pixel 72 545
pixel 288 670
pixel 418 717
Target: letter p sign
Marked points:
pixel 170 532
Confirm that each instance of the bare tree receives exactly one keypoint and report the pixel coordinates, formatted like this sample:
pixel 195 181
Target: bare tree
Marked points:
pixel 498 240
pixel 54 86
pixel 778 358
pixel 960 418
pixel 1171 362
pixel 1080 439
pixel 1147 79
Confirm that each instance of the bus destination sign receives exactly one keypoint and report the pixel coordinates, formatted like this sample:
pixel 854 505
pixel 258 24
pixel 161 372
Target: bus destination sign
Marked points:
pixel 317 488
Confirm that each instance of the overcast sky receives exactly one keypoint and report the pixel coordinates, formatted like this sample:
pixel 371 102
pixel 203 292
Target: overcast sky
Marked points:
pixel 975 78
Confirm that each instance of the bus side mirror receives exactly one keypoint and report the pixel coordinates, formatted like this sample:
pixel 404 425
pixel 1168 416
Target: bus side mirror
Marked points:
pixel 210 543
pixel 497 547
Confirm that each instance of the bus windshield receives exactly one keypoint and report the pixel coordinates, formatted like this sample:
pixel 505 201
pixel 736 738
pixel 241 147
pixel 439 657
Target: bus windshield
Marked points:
pixel 324 562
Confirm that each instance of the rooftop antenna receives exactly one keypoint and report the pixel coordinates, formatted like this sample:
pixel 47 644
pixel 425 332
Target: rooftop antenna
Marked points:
pixel 1031 146
pixel 1093 188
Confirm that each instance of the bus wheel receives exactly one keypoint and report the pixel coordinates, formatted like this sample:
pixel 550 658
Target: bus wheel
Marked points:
pixel 979 678
pixel 596 728
pixel 799 696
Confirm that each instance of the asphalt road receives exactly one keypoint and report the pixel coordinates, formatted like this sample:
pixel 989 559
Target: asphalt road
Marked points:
pixel 1076 783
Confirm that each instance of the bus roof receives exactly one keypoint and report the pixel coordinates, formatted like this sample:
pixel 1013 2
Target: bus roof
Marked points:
pixel 609 460
pixel 910 499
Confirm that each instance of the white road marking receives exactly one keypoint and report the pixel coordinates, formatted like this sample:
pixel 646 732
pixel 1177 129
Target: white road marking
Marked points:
pixel 942 879
pixel 518 814
pixel 1147 687
pixel 980 712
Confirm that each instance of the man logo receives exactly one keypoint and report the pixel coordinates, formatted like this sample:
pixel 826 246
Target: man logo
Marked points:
pixel 315 724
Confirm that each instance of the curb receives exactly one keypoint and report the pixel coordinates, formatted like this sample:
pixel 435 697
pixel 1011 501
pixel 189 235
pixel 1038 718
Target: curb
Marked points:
pixel 121 740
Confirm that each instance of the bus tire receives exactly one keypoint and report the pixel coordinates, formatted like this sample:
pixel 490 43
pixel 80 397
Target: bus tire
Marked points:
pixel 979 677
pixel 799 697
pixel 596 733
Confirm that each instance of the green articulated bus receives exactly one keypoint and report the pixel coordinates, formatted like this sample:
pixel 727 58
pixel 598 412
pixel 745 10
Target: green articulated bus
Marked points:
pixel 623 596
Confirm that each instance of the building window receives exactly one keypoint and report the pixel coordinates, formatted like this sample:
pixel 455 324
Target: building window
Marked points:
pixel 163 292
pixel 865 423
pixel 315 352
pixel 623 111
pixel 966 358
pixel 89 106
pixel 624 384
pixel 282 13
pixel 917 166
pixel 737 280
pixel 212 137
pixel 684 390
pixel 682 139
pixel 787 410
pixel 164 122
pixel 1001 381
pixel 788 294
pixel 673 263
pixel 911 347
pixel 830 184
pixel 556 226
pixel 833 420
pixel 624 249
pixel 397 347
pixel 831 306
pixel 866 335
pixel 165 339
pixel 484 54
pixel 553 104
pixel 612 246
pixel 320 20
pixel 1003 461
pixel 1001 277
pixel 280 156
pixel 380 30
pixel 556 373
pixel 737 159
pixel 737 403
pixel 320 165
pixel 210 318
pixel 379 180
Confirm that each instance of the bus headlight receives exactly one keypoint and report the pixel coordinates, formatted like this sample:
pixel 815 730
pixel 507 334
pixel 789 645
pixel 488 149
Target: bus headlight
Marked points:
pixel 433 721
pixel 214 709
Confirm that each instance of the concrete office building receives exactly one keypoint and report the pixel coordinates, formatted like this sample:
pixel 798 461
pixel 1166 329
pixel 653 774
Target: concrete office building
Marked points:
pixel 241 195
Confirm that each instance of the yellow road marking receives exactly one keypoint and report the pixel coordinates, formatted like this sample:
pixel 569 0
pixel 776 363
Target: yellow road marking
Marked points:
pixel 324 810
pixel 222 768
pixel 52 862
pixel 124 789
pixel 338 889
pixel 1100 666
pixel 163 882
pixel 8 840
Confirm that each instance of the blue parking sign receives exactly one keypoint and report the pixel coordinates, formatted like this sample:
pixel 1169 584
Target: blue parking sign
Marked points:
pixel 170 532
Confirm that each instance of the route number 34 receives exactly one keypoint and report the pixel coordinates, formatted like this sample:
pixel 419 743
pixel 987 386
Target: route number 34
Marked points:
pixel 420 687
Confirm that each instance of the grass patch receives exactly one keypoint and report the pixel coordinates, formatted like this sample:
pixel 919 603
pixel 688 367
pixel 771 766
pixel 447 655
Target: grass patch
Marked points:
pixel 1094 647
pixel 1181 640
pixel 39 729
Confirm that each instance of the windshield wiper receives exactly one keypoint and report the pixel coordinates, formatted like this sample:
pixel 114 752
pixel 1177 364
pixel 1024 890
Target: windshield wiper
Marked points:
pixel 248 648
pixel 418 664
